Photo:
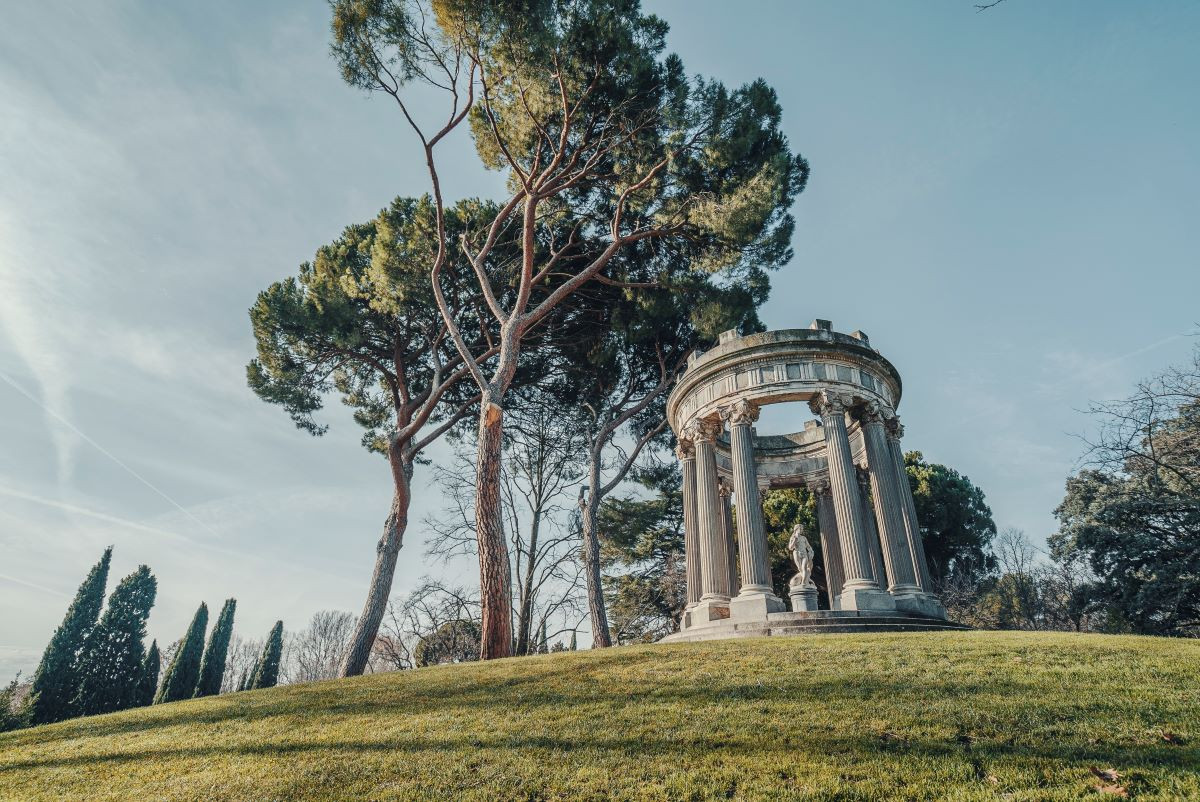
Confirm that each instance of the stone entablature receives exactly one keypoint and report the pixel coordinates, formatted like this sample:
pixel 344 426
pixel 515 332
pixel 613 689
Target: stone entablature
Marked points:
pixel 778 366
pixel 850 459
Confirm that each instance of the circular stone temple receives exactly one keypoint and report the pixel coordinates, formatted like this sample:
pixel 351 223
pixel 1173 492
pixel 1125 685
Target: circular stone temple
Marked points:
pixel 874 563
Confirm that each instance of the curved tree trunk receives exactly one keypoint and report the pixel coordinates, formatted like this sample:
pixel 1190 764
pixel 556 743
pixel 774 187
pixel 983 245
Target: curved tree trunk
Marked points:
pixel 367 627
pixel 600 635
pixel 494 570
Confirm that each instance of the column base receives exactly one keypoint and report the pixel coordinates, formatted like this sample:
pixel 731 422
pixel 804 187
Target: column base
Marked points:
pixel 804 599
pixel 707 611
pixel 921 604
pixel 866 599
pixel 755 606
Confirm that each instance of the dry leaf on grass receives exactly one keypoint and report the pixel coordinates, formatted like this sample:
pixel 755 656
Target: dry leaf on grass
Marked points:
pixel 1110 785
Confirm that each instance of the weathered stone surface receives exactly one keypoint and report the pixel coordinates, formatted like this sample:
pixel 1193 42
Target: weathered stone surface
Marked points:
pixel 804 598
pixel 869 533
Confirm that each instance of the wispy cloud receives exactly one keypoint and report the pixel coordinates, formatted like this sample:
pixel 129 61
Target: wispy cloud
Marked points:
pixel 1095 373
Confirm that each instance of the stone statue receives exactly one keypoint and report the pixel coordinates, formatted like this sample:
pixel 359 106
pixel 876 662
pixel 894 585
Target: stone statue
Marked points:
pixel 802 555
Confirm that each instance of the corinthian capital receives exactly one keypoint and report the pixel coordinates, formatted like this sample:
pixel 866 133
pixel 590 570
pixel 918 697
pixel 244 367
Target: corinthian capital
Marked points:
pixel 684 450
pixel 829 402
pixel 820 487
pixel 740 412
pixel 895 429
pixel 702 430
pixel 872 412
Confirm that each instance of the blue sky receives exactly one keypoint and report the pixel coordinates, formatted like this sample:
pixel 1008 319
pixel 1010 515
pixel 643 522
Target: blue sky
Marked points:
pixel 1004 201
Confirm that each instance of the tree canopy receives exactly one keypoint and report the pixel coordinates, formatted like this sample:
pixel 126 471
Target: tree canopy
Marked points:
pixel 956 522
pixel 184 669
pixel 1134 513
pixel 212 665
pixel 641 549
pixel 360 321
pixel 56 681
pixel 604 143
pixel 112 660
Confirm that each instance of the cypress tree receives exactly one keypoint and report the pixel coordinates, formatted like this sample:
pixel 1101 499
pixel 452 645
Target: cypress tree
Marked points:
pixel 266 670
pixel 574 641
pixel 184 671
pixel 148 682
pixel 111 664
pixel 56 681
pixel 244 682
pixel 212 668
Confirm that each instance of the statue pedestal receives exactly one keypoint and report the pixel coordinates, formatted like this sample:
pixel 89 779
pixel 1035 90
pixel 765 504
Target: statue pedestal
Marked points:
pixel 804 598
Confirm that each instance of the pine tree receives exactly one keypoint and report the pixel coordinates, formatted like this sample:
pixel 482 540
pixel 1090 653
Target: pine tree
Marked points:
pixel 184 671
pixel 212 668
pixel 266 670
pixel 110 666
pixel 148 682
pixel 56 681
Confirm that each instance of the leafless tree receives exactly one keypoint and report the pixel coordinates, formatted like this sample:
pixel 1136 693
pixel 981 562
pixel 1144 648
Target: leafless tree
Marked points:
pixel 434 623
pixel 1067 601
pixel 539 476
pixel 392 650
pixel 1019 575
pixel 166 657
pixel 1148 433
pixel 239 662
pixel 609 461
pixel 1032 592
pixel 316 653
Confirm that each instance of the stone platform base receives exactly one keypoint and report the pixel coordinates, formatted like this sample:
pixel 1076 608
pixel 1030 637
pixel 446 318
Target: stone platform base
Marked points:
pixel 814 622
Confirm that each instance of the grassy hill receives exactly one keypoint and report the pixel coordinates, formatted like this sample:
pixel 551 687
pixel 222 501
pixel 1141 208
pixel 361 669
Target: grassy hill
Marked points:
pixel 889 716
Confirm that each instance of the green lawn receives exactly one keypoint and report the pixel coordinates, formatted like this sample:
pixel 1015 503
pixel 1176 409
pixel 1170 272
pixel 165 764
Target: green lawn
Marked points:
pixel 977 715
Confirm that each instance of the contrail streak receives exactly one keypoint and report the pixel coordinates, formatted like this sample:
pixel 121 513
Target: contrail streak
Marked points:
pixel 90 513
pixel 9 380
pixel 15 581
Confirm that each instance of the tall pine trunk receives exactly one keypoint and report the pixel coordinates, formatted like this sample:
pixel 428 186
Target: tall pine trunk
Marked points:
pixel 386 553
pixel 494 576
pixel 591 557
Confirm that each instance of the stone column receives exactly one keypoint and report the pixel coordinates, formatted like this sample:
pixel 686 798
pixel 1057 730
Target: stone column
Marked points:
pixel 831 549
pixel 727 527
pixel 870 524
pixel 756 598
pixel 691 532
pixel 902 580
pixel 860 591
pixel 912 529
pixel 714 562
